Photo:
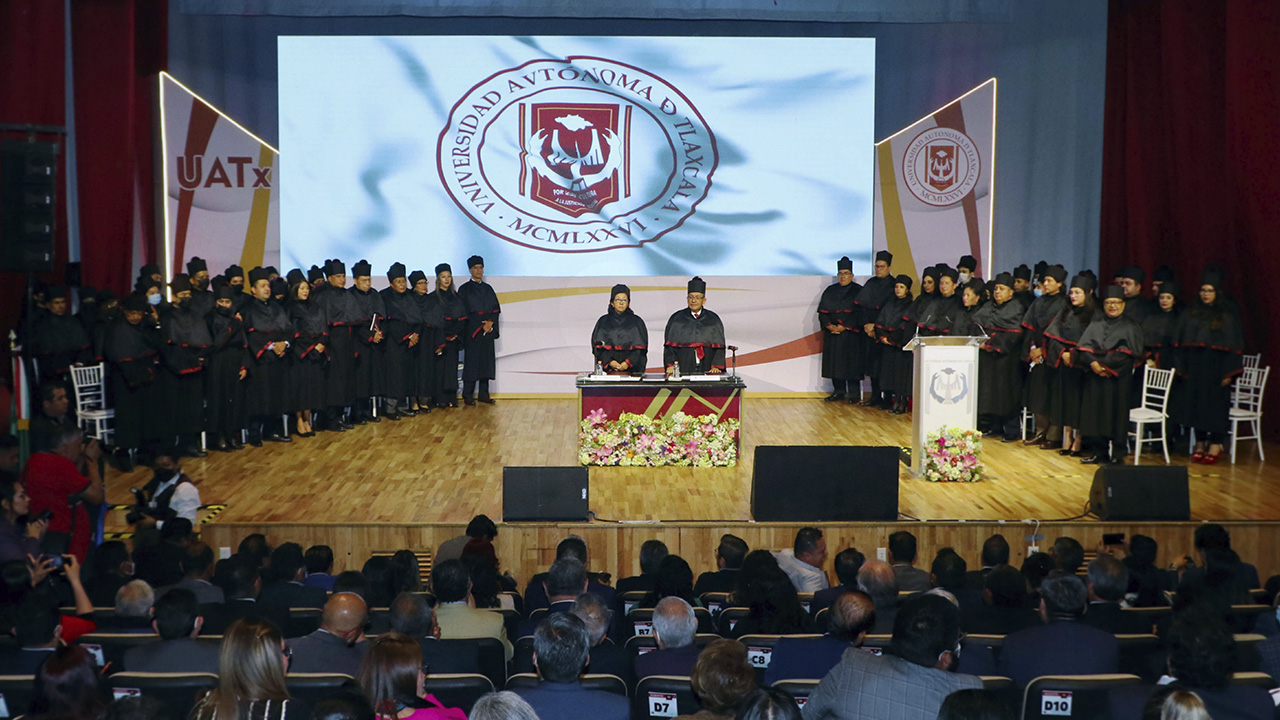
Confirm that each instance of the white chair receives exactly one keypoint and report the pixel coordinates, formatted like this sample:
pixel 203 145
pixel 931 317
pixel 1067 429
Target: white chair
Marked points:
pixel 91 402
pixel 1246 361
pixel 1028 419
pixel 1155 399
pixel 1247 408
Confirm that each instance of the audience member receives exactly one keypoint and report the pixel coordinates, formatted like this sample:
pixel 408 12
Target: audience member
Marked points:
pixel 674 628
pixel 111 568
pixel 133 604
pixel 652 552
pixel 288 570
pixel 1006 605
pixel 342 705
pixel 673 578
pixel 1035 569
pixel 1177 705
pixel 605 657
pixel 9 453
pixel 36 628
pixel 1063 645
pixel 54 482
pixel 877 579
pixel 560 651
pixel 410 614
pixel 1108 579
pixel 487 586
pixel 380 574
pixel 730 553
pixel 339 644
pixel 255 547
pixel 722 678
pixel 535 594
pixel 20 535
pixel 408 576
pixel 902 558
pixel 242 585
pixel 1068 554
pixel 479 527
pixel 803 561
pixel 456 614
pixel 851 617
pixel 768 704
pixel 319 562
pixel 68 687
pixel 504 705
pixel 1212 536
pixel 392 678
pixel 1147 582
pixel 948 572
pixel 910 682
pixel 142 707
pixel 847 564
pixel 773 607
pixel 177 622
pixel 756 563
pixel 54 416
pixel 995 551
pixel 197 573
pixel 562 584
pixel 352 581
pixel 974 705
pixel 158 553
pixel 251 670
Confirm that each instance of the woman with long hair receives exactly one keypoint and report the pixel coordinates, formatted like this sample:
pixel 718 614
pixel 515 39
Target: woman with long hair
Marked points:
pixel 1061 338
pixel 310 349
pixel 1210 342
pixel 447 313
pixel 68 687
pixel 393 679
pixel 19 535
pixel 251 673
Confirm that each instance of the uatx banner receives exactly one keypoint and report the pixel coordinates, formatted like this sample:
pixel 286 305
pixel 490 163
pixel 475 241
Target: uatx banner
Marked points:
pixel 220 186
pixel 933 185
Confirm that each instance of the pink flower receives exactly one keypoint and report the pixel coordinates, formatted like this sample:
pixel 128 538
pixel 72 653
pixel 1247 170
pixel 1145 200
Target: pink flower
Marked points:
pixel 596 416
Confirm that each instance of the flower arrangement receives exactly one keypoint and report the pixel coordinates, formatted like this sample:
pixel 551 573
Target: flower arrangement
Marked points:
pixel 641 441
pixel 953 455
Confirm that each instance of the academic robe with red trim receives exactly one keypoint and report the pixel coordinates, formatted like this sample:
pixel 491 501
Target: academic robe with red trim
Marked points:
pixel 267 388
pixel 1036 320
pixel 58 342
pixel 843 357
pixel 452 316
pixel 999 361
pixel 621 337
pixel 340 372
pixel 183 360
pixel 697 343
pixel 1116 344
pixel 896 364
pixel 225 390
pixel 370 356
pixel 480 361
pixel 1062 337
pixel 133 354
pixel 306 374
pixel 1209 344
pixel 404 320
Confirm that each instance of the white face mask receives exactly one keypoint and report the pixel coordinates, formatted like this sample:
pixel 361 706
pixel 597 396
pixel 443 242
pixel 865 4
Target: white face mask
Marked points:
pixel 964 276
pixel 1038 291
pixel 154 299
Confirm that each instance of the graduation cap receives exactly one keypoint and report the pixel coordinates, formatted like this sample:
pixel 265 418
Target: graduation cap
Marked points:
pixel 1022 272
pixel 415 276
pixel 1132 272
pixel 620 288
pixel 444 267
pixel 195 265
pixel 295 276
pixel 271 270
pixel 180 283
pixel 315 273
pixel 967 262
pixel 698 285
pixel 279 286
pixel 1005 279
pixel 88 294
pixel 149 270
pixel 945 270
pixel 1085 282
pixel 903 280
pixel 1211 276
pixel 1057 272
pixel 976 286
pixel 395 271
pixel 885 255
pixel 1113 291
pixel 1040 268
pixel 225 292
pixel 334 267
pixel 136 302
pixel 233 271
pixel 1162 274
pixel 931 271
pixel 361 269
pixel 256 274
pixel 475 260
pixel 106 295
pixel 143 284
pixel 1171 287
pixel 844 263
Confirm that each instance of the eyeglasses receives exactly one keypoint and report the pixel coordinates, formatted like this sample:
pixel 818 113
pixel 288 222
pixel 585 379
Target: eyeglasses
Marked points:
pixel 287 652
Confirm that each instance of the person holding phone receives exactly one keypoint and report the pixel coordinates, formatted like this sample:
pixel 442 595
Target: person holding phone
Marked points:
pixel 54 482
pixel 20 534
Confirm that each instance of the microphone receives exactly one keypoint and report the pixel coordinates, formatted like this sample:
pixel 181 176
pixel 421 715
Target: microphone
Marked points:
pixel 732 347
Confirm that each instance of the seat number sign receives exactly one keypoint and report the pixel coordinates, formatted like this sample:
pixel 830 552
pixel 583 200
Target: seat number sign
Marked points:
pixel 1056 703
pixel 759 656
pixel 662 704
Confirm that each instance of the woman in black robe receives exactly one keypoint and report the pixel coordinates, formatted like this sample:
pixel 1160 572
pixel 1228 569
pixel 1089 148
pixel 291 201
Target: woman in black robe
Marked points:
pixel 453 323
pixel 1040 378
pixel 310 353
pixel 973 294
pixel 424 354
pixel 620 340
pixel 999 359
pixel 132 348
pixel 184 358
pixel 1209 344
pixel 227 368
pixel 1108 350
pixel 403 329
pixel 911 322
pixel 842 334
pixel 1061 339
pixel 891 335
pixel 269 331
pixel 939 316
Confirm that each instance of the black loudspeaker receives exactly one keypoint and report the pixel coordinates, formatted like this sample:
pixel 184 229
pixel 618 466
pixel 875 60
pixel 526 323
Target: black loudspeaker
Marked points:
pixel 1128 492
pixel 799 483
pixel 544 494
pixel 28 204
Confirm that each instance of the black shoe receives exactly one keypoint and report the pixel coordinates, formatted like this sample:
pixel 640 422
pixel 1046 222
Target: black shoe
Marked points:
pixel 255 441
pixel 391 416
pixel 358 421
pixel 309 433
pixel 992 433
pixel 277 437
pixel 1116 460
pixel 409 412
pixel 487 400
pixel 339 427
pixel 1010 439
pixel 1094 459
pixel 469 402
pixel 221 446
pixel 195 452
pixel 834 397
pixel 1038 439
pixel 869 402
pixel 235 442
pixel 346 424
pixel 1065 452
pixel 374 418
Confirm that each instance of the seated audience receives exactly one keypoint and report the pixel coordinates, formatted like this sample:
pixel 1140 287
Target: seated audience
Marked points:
pixel 652 553
pixel 768 704
pixel 756 562
pixel 535 594
pixel 948 572
pixel 1147 583
pixel 456 614
pixel 177 622
pixel 133 609
pixel 674 578
pixel 1202 657
pixel 158 554
pixel 37 631
pixel 910 682
pixel 392 678
pixel 902 558
pixel 850 618
pixel 1063 645
pixel 773 607
pixel 242 585
pixel 197 574
pixel 877 579
pixel 479 527
pixel 111 568
pixel 1068 554
pixel 352 581
pixel 254 546
pixel 606 658
pixel 730 553
pixel 488 588
pixel 722 678
pixel 995 551
pixel 847 564
pixel 411 615
pixel 343 705
pixel 562 584
pixel 339 644
pixel 68 687
pixel 408 577
pixel 1035 569
pixel 504 705
pixel 1006 605
pixel 560 651
pixel 379 572
pixel 803 561
pixel 288 570
pixel 319 562
pixel 251 670
pixel 1212 536
pixel 674 629
pixel 974 705
pixel 146 707
pixel 1108 581
pixel 9 453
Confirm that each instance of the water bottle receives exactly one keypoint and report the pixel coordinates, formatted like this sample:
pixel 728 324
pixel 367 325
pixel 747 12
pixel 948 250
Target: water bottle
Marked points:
pixel 599 369
pixel 675 370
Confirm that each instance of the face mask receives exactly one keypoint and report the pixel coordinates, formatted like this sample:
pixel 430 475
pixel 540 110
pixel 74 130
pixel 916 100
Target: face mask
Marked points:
pixel 1038 292
pixel 964 277
pixel 154 299
pixel 225 311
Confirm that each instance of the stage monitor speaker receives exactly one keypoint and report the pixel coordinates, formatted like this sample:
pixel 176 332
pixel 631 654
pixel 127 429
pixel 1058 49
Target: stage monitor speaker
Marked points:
pixel 28 204
pixel 1128 492
pixel 542 494
pixel 800 483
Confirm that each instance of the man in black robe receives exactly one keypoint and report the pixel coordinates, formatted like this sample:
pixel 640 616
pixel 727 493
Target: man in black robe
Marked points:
pixel 1040 379
pixel 694 338
pixel 268 331
pixel 403 334
pixel 315 276
pixel 1108 350
pixel 201 294
pixel 227 367
pixel 842 335
pixel 1000 360
pixel 131 347
pixel 966 268
pixel 184 358
pixel 1022 286
pixel 58 340
pixel 340 373
pixel 234 275
pixel 1136 307
pixel 874 294
pixel 370 348
pixel 479 357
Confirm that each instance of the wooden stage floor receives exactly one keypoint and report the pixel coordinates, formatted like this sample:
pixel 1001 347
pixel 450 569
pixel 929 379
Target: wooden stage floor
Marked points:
pixel 446 466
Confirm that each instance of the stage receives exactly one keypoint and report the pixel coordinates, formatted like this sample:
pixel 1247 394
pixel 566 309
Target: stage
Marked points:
pixel 416 482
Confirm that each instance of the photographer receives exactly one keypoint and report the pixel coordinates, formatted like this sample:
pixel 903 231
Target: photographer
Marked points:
pixel 19 535
pixel 53 481
pixel 169 494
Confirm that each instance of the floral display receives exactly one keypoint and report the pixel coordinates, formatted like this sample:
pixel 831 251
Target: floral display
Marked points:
pixel 641 441
pixel 953 455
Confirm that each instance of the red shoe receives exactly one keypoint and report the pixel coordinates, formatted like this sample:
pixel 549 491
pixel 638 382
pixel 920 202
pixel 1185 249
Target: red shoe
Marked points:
pixel 1198 456
pixel 1211 459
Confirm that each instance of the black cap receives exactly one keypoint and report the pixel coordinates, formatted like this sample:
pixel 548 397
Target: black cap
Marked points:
pixel 444 267
pixel 279 286
pixel 1040 268
pixel 698 285
pixel 976 285
pixel 136 302
pixel 315 273
pixel 1113 291
pixel 884 255
pixel 361 269
pixel 1057 272
pixel 271 270
pixel 195 265
pixel 180 283
pixel 106 294
pixel 931 271
pixel 256 274
pixel 1162 273
pixel 475 260
pixel 1132 272
pixel 397 270
pixel 55 291
pixel 1022 272
pixel 142 285
pixel 903 280
pixel 945 270
pixel 225 291
pixel 233 271
pixel 1211 276
pixel 149 270
pixel 619 288
pixel 88 294
pixel 415 276
pixel 967 261
pixel 1171 287
pixel 295 276
pixel 1005 279
pixel 844 263
pixel 334 267
pixel 1085 282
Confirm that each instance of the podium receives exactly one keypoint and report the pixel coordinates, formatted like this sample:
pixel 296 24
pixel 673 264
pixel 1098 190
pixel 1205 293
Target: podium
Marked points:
pixel 945 386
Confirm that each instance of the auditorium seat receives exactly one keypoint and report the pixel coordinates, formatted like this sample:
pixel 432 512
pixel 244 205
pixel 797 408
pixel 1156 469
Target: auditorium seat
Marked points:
pixel 178 691
pixel 1247 657
pixel 15 694
pixel 302 621
pixel 625 602
pixel 590 681
pixel 1004 688
pixel 877 643
pixel 510 619
pixel 760 651
pixel 482 656
pixel 460 690
pixel 806 600
pixel 1158 617
pixel 729 619
pixel 307 688
pixel 1082 696
pixel 657 695
pixel 714 602
pixel 113 646
pixel 522 659
pixel 1257 679
pixel 798 689
pixel 1142 655
pixel 820 620
pixel 638 645
pixel 640 622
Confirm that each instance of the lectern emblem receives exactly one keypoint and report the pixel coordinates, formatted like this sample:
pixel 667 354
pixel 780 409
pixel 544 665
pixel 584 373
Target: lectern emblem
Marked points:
pixel 948 386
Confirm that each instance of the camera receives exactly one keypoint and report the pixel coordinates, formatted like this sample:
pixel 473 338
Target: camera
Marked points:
pixel 45 515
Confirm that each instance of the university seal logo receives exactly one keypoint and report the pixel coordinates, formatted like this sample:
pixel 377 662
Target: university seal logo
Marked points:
pixel 941 166
pixel 576 155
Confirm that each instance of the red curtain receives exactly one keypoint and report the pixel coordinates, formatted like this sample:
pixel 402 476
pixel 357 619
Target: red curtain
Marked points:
pixel 1189 175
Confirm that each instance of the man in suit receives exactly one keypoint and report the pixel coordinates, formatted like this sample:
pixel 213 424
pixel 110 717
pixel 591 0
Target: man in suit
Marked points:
pixel 560 651
pixel 289 569
pixel 1068 553
pixel 177 622
pixel 132 610
pixel 562 584
pixel 605 658
pixel 411 615
pixel 456 612
pixel 803 561
pixel 852 615
pixel 876 579
pixel 652 552
pixel 730 553
pixel 995 551
pixel 848 562
pixel 319 562
pixel 948 572
pixel 479 527
pixel 1063 645
pixel 38 633
pixel 908 684
pixel 197 569
pixel 1006 604
pixel 339 645
pixel 1108 581
pixel 674 629
pixel 535 593
pixel 1212 536
pixel 902 558
pixel 238 576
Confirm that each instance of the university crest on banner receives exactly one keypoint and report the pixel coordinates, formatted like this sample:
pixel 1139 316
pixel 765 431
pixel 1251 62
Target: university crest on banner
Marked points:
pixel 576 155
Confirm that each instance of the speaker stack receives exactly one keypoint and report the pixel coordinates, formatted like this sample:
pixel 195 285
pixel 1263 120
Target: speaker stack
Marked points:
pixel 28 202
